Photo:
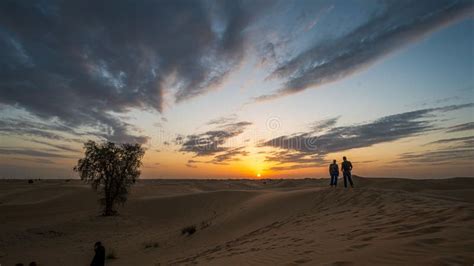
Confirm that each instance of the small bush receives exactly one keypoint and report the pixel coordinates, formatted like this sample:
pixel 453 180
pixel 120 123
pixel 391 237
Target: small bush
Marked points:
pixel 111 255
pixel 188 230
pixel 205 224
pixel 30 181
pixel 151 244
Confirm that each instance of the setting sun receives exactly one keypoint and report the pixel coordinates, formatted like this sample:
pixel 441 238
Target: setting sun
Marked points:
pixel 259 175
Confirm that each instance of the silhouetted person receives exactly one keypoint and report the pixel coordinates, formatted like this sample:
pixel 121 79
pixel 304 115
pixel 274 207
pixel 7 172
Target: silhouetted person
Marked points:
pixel 334 173
pixel 99 257
pixel 346 168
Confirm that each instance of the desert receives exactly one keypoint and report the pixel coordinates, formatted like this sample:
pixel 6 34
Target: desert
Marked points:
pixel 382 221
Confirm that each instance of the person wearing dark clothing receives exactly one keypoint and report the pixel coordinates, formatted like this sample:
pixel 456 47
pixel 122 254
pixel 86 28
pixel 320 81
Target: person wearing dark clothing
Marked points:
pixel 334 173
pixel 99 257
pixel 346 168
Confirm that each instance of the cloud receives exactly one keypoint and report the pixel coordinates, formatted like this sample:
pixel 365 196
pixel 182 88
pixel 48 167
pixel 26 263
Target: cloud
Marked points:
pixel 31 152
pixel 443 156
pixel 82 61
pixel 400 23
pixel 212 143
pixel 464 141
pixel 54 130
pixel 298 160
pixel 452 151
pixel 293 167
pixel 24 127
pixel 33 160
pixel 223 120
pixel 191 165
pixel 312 147
pixel 57 146
pixel 222 157
pixel 229 155
pixel 317 17
pixel 323 125
pixel 364 162
pixel 461 127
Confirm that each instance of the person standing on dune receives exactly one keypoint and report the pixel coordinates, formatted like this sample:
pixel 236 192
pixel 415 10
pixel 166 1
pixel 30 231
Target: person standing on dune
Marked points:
pixel 346 168
pixel 334 173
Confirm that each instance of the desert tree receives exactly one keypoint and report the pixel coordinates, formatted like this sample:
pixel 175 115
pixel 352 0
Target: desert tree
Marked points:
pixel 111 169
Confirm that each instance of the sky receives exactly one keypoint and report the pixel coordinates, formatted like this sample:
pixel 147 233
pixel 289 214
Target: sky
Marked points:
pixel 239 89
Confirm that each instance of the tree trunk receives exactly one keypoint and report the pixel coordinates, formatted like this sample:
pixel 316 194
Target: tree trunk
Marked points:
pixel 109 203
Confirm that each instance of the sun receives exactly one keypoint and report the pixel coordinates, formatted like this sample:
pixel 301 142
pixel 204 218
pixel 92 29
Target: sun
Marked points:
pixel 259 175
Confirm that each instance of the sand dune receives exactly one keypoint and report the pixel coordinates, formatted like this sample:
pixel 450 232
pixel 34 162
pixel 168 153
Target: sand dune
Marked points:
pixel 243 222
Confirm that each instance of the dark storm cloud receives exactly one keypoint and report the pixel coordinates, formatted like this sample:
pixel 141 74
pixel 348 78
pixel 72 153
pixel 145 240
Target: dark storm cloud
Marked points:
pixel 400 23
pixel 211 142
pixel 461 127
pixel 311 147
pixel 77 61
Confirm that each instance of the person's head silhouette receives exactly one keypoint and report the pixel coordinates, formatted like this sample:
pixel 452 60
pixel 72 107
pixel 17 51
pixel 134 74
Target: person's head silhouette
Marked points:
pixel 99 257
pixel 344 158
pixel 333 161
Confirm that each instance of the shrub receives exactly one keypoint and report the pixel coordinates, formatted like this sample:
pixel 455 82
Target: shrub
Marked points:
pixel 151 244
pixel 189 230
pixel 205 224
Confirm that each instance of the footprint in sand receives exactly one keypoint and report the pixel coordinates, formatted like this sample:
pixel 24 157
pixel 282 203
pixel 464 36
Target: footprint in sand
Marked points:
pixel 301 261
pixel 342 263
pixel 359 246
pixel 423 231
pixel 306 252
pixel 428 241
pixel 368 238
